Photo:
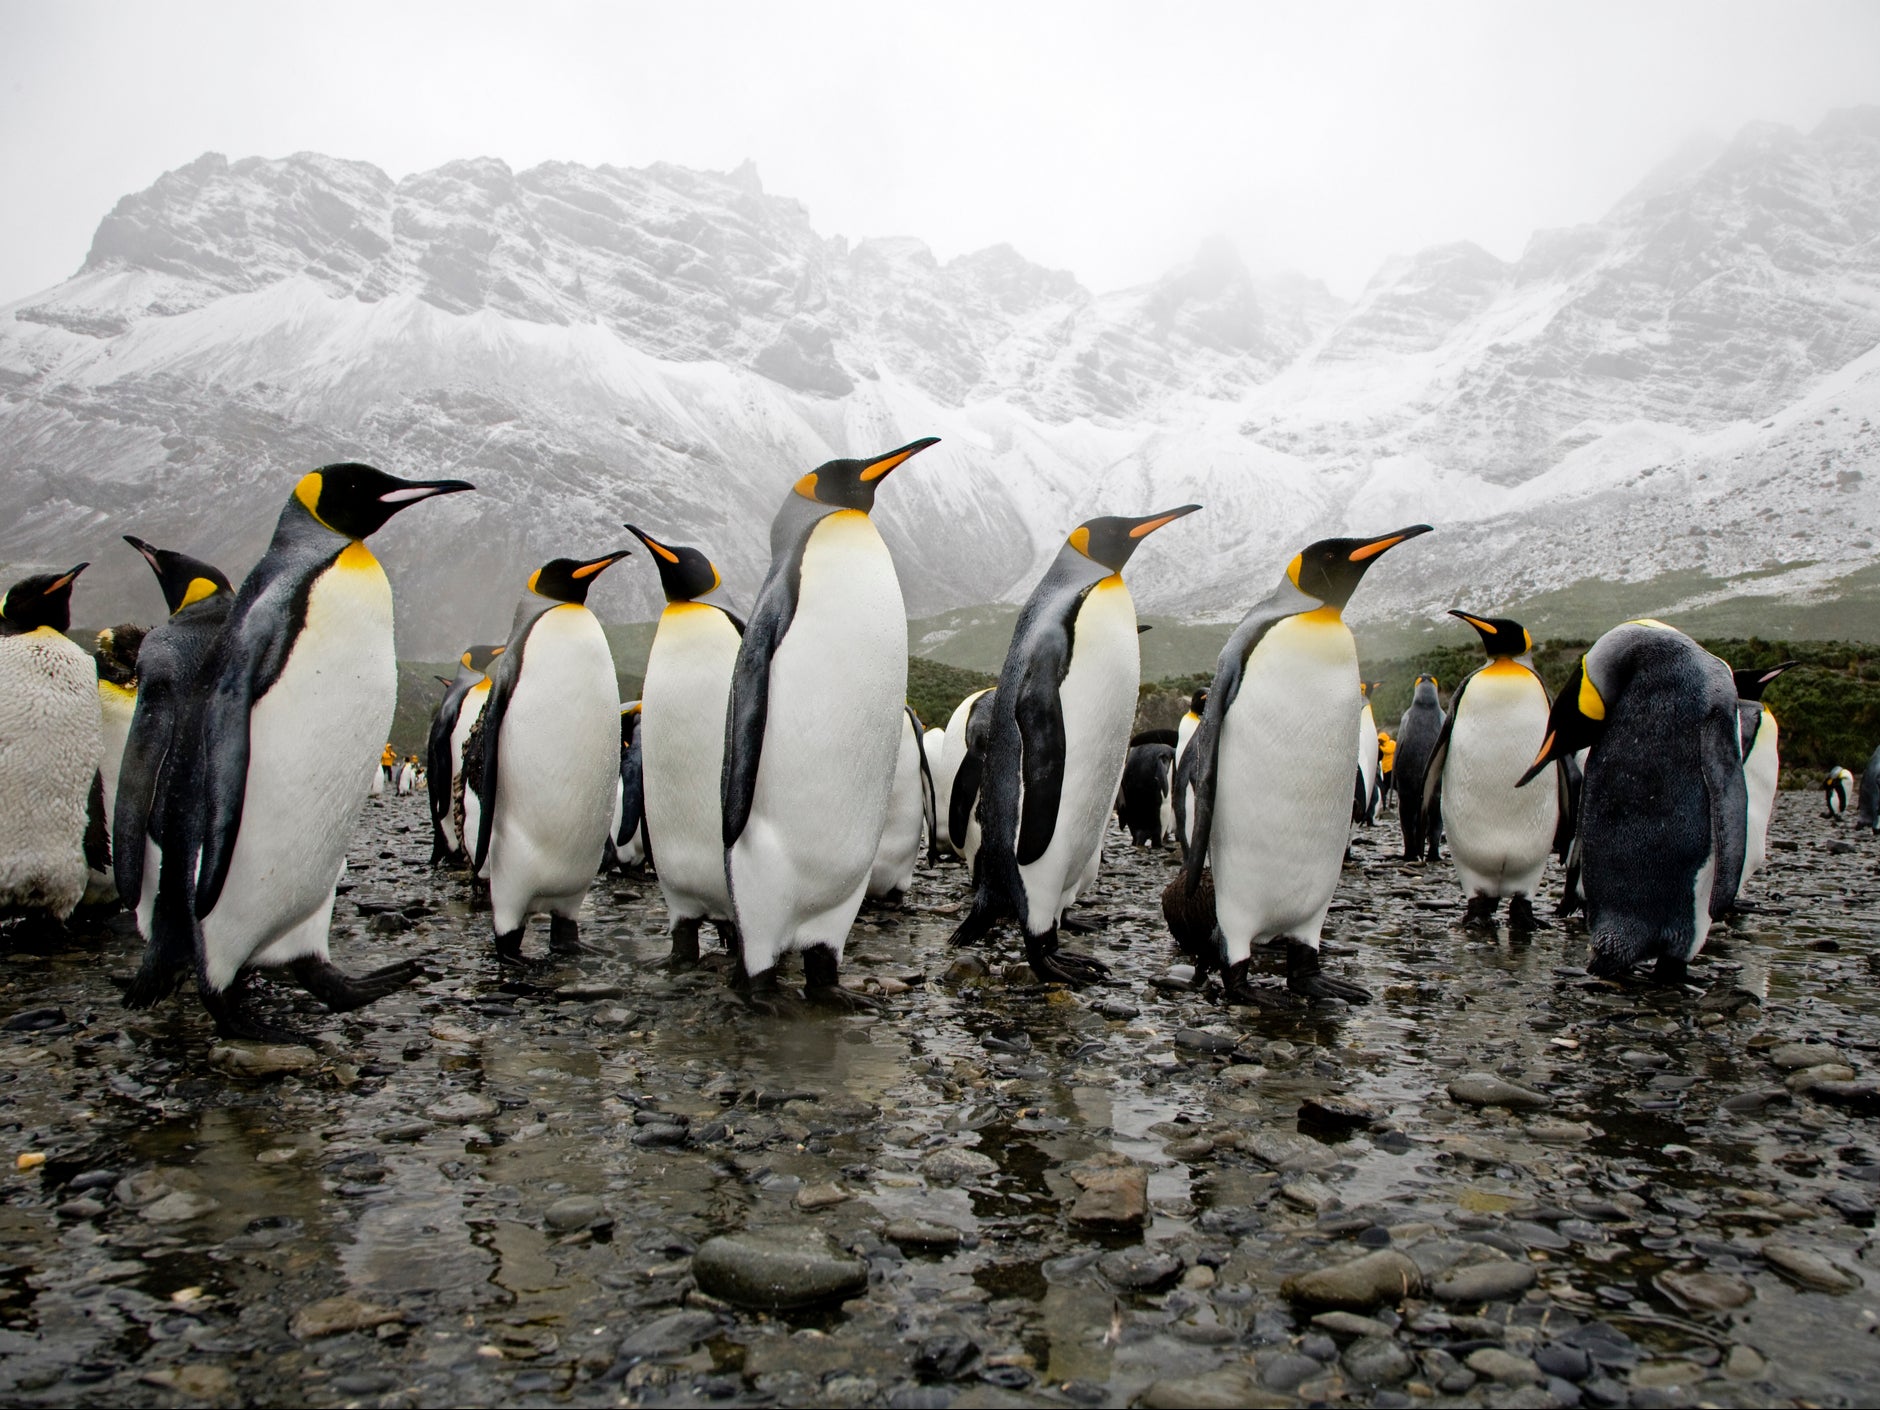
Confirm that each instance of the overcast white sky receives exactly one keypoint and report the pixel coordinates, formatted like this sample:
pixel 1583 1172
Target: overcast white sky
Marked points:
pixel 1106 139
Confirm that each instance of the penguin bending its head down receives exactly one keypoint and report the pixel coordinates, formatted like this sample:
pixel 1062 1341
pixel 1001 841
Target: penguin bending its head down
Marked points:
pixel 813 729
pixel 443 753
pixel 1836 789
pixel 275 748
pixel 1663 805
pixel 550 765
pixel 50 740
pixel 1272 770
pixel 1060 722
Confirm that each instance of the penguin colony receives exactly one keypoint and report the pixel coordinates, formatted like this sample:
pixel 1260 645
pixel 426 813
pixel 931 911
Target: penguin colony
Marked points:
pixel 207 774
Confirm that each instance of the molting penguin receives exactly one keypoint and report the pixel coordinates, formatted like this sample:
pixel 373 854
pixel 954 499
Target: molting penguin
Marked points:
pixel 957 782
pixel 50 739
pixel 910 812
pixel 443 753
pixel 1499 835
pixel 1059 735
pixel 1145 804
pixel 1759 737
pixel 117 701
pixel 1272 775
pixel 1663 806
pixel 1364 789
pixel 682 744
pixel 1836 790
pixel 550 758
pixel 1417 733
pixel 275 748
pixel 813 729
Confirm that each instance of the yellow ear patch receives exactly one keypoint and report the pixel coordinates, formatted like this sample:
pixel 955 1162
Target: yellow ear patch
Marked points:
pixel 718 580
pixel 308 491
pixel 198 589
pixel 1590 703
pixel 464 659
pixel 1080 540
pixel 1292 568
pixel 533 577
pixel 807 486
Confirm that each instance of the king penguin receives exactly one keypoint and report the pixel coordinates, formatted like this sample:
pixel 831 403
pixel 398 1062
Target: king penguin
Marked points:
pixel 50 740
pixel 117 701
pixel 813 728
pixel 1417 733
pixel 1143 804
pixel 550 758
pixel 957 782
pixel 1272 775
pixel 198 597
pixel 1663 805
pixel 1183 788
pixel 1060 726
pixel 275 751
pixel 1836 789
pixel 910 813
pixel 1869 796
pixel 682 744
pixel 632 841
pixel 443 754
pixel 1759 737
pixel 1499 835
pixel 1364 789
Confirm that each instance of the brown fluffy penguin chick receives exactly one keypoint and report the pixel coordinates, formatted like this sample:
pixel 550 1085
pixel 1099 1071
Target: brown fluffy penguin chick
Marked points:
pixel 1190 920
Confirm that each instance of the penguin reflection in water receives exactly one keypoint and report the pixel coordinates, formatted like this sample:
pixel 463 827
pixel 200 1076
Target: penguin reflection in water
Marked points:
pixel 276 750
pixel 1060 720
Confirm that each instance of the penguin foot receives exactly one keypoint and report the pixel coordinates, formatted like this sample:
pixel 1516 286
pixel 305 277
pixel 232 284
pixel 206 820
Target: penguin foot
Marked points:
pixel 840 1000
pixel 235 1019
pixel 509 951
pixel 684 946
pixel 1241 991
pixel 1055 966
pixel 564 938
pixel 1670 972
pixel 762 994
pixel 1306 977
pixel 1077 924
pixel 1479 914
pixel 1521 917
pixel 343 993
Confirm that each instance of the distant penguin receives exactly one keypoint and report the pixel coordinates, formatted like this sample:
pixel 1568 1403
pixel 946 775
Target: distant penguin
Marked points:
pixel 1386 767
pixel 50 741
pixel 1182 797
pixel 550 759
pixel 1759 737
pixel 117 700
pixel 1663 805
pixel 682 744
pixel 382 771
pixel 1836 790
pixel 274 752
pixel 910 806
pixel 199 598
pixel 814 729
pixel 1417 733
pixel 1273 765
pixel 630 840
pixel 1500 836
pixel 443 753
pixel 1567 840
pixel 1059 734
pixel 933 751
pixel 1364 788
pixel 957 784
pixel 1869 803
pixel 1144 805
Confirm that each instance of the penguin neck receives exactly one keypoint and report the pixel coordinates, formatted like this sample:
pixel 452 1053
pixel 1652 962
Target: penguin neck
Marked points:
pixel 1509 665
pixel 1324 615
pixel 531 609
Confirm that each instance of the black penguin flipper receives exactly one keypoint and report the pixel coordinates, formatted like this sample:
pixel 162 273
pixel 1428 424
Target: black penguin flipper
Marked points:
pixel 437 765
pixel 632 793
pixel 224 770
pixel 1748 722
pixel 965 794
pixel 749 709
pixel 737 622
pixel 1567 782
pixel 503 673
pixel 139 770
pixel 929 794
pixel 1040 713
pixel 97 829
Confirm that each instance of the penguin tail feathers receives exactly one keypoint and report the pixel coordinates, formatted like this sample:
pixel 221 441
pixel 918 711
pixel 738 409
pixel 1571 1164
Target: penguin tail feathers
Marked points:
pixel 1614 954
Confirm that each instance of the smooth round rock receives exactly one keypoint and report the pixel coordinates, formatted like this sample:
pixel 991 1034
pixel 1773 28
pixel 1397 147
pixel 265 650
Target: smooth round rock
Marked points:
pixel 462 1108
pixel 574 1212
pixel 1139 1268
pixel 1486 1089
pixel 777 1268
pixel 1485 1282
pixel 1377 1361
pixel 951 1165
pixel 1362 1283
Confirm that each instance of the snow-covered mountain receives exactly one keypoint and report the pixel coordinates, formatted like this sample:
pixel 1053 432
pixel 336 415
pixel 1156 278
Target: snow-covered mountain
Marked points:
pixel 1681 396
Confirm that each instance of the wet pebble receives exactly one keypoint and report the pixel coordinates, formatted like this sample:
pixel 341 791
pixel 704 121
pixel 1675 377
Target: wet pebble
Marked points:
pixel 921 1233
pixel 334 1315
pixel 1486 1089
pixel 462 1108
pixel 675 1334
pixel 1705 1291
pixel 953 1165
pixel 1504 1367
pixel 1791 1057
pixel 1808 1268
pixel 1377 1361
pixel 777 1268
pixel 1484 1282
pixel 945 1358
pixel 1139 1269
pixel 571 1213
pixel 179 1207
pixel 1386 1276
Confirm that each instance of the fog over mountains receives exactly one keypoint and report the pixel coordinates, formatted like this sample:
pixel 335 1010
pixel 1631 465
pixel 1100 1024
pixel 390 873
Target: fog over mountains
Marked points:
pixel 1683 396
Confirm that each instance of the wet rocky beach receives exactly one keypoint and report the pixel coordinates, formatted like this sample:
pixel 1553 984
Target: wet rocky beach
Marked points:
pixel 596 1183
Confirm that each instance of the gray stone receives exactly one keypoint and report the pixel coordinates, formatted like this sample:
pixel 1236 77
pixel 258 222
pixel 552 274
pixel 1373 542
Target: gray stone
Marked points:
pixel 777 1268
pixel 571 1213
pixel 1504 1366
pixel 261 1060
pixel 1791 1057
pixel 1485 1282
pixel 1229 1388
pixel 1113 1192
pixel 1309 1193
pixel 675 1334
pixel 920 1233
pixel 1140 1268
pixel 1486 1089
pixel 1705 1292
pixel 1744 1363
pixel 1362 1283
pixel 179 1206
pixel 1350 1324
pixel 334 1315
pixel 1810 1269
pixel 462 1108
pixel 140 1188
pixel 953 1165
pixel 1287 1370
pixel 1808 1078
pixel 1203 1040
pixel 1377 1361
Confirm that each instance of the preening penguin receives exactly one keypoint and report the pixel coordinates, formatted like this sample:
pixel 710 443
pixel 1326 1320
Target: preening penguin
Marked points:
pixel 50 739
pixel 1417 733
pixel 682 744
pixel 443 754
pixel 1060 722
pixel 550 759
pixel 1836 790
pixel 1663 806
pixel 117 701
pixel 1273 765
pixel 273 752
pixel 910 811
pixel 1499 835
pixel 1759 737
pixel 813 727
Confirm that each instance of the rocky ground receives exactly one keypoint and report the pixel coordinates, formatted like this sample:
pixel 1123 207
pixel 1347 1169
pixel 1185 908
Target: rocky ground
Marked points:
pixel 1500 1184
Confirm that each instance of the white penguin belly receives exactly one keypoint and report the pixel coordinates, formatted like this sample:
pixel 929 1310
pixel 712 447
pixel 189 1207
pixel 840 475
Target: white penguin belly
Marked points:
pixel 682 756
pixel 1499 835
pixel 1760 772
pixel 831 736
pixel 313 745
pixel 50 739
pixel 1367 749
pixel 899 850
pixel 460 828
pixel 1282 789
pixel 117 704
pixel 933 747
pixel 1185 820
pixel 558 767
pixel 1098 700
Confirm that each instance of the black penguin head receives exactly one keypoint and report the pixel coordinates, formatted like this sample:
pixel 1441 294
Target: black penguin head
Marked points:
pixel 478 658
pixel 1331 568
pixel 851 484
pixel 629 723
pixel 1198 701
pixel 117 653
pixel 184 580
pixel 568 579
pixel 684 573
pixel 1500 636
pixel 356 500
pixel 1750 685
pixel 43 600
pixel 1110 540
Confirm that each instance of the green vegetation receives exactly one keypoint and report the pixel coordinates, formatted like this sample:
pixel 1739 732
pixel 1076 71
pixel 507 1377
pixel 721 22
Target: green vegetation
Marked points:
pixel 935 689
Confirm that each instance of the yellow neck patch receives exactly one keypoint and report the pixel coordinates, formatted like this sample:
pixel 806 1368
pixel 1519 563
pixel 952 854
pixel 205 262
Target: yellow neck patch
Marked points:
pixel 1504 666
pixel 1327 616
pixel 198 589
pixel 356 558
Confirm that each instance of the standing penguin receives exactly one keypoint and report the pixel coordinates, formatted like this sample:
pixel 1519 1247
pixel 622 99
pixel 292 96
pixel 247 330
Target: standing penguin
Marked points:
pixel 910 812
pixel 631 844
pixel 1499 835
pixel 1836 790
pixel 1759 737
pixel 273 754
pixel 443 753
pixel 199 598
pixel 957 783
pixel 1364 790
pixel 1059 735
pixel 932 752
pixel 1869 804
pixel 682 744
pixel 1417 733
pixel 117 700
pixel 1145 804
pixel 1663 806
pixel 550 756
pixel 50 738
pixel 813 728
pixel 1183 790
pixel 1273 766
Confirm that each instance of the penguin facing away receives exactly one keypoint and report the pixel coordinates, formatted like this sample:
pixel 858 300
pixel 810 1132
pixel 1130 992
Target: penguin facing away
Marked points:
pixel 813 729
pixel 1060 723
pixel 50 740
pixel 1417 733
pixel 1144 805
pixel 682 744
pixel 1500 836
pixel 1836 789
pixel 1759 736
pixel 274 751
pixel 443 754
pixel 550 759
pixel 117 700
pixel 1273 768
pixel 1663 804
pixel 631 843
